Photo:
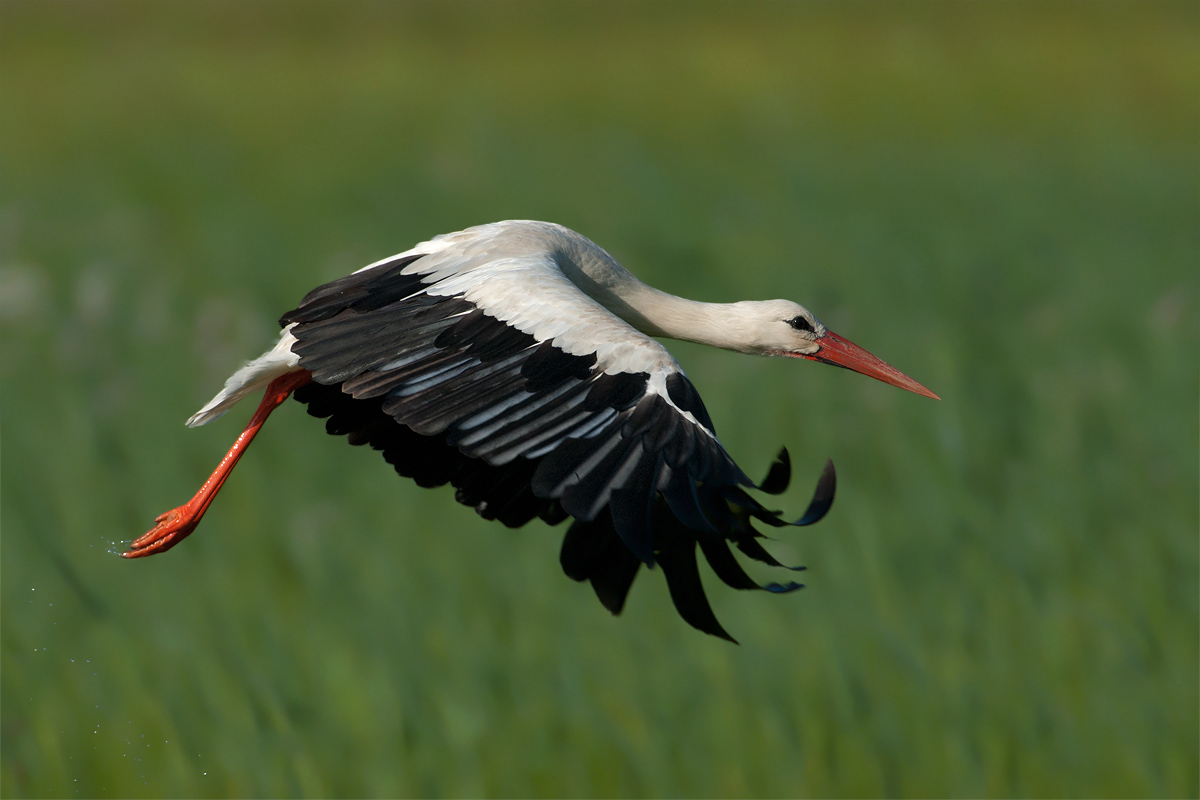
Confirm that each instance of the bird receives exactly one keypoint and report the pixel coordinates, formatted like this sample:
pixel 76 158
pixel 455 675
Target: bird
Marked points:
pixel 521 363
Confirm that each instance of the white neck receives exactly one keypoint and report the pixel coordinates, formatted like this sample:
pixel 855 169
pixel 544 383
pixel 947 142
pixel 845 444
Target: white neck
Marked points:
pixel 658 313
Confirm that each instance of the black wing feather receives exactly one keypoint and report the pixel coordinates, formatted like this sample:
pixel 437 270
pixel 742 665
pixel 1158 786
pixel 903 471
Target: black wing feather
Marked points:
pixel 523 429
pixel 592 551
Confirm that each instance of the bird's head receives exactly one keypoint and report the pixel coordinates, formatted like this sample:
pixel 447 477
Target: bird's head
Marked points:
pixel 784 328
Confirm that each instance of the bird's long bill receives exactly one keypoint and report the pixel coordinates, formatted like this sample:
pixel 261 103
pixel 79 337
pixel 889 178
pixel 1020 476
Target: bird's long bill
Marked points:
pixel 844 353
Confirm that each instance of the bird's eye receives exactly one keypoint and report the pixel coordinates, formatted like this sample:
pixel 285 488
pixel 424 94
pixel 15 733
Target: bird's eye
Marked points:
pixel 801 324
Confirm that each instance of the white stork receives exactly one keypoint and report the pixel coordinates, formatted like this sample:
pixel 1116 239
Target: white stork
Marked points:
pixel 516 361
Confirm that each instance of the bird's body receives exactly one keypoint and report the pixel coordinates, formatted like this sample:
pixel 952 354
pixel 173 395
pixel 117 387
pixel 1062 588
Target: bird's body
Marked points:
pixel 516 362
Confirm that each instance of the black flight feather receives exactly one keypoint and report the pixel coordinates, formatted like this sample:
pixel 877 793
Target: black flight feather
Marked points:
pixel 522 429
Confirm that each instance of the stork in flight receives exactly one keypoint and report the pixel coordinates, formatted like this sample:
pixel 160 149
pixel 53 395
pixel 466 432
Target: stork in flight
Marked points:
pixel 516 361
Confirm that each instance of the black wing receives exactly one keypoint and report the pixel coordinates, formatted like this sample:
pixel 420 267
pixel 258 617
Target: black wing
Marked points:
pixel 523 429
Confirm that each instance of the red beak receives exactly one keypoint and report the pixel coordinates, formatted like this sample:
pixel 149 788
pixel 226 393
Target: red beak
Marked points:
pixel 844 353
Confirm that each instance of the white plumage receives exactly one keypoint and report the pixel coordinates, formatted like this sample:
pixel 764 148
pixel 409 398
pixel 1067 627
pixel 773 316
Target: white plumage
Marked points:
pixel 516 361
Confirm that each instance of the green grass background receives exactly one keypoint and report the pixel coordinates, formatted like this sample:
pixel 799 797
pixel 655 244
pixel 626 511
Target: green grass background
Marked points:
pixel 1003 200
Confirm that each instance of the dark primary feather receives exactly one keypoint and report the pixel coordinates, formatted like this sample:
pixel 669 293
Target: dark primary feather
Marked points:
pixel 523 429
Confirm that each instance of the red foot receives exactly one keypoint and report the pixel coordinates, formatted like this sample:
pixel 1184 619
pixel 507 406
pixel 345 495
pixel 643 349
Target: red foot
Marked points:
pixel 174 526
pixel 171 529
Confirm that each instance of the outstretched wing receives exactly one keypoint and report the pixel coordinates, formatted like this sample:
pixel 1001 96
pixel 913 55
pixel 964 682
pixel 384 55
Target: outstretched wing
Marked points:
pixel 500 377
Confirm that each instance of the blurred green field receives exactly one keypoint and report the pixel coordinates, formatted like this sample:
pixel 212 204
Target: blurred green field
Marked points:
pixel 1003 200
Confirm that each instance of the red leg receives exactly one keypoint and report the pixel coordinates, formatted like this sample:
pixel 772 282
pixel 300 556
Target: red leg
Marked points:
pixel 173 527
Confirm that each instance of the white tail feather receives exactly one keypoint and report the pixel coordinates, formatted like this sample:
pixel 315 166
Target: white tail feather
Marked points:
pixel 255 376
